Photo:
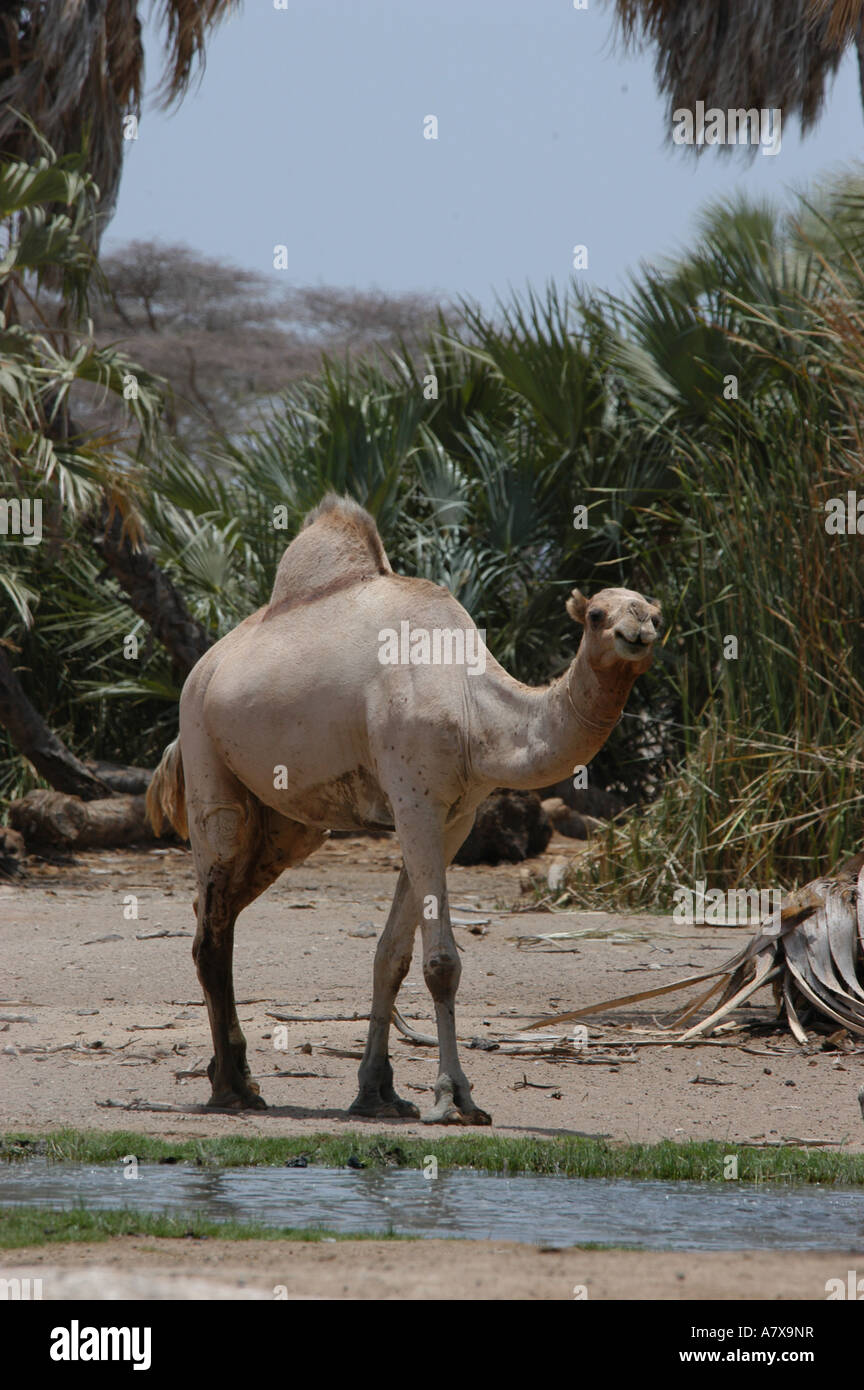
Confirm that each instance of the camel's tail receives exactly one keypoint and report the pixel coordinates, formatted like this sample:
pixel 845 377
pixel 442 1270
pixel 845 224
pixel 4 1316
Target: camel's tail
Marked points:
pixel 166 794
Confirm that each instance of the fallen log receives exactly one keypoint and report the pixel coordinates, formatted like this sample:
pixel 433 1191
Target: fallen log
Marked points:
pixel 54 819
pixel 13 853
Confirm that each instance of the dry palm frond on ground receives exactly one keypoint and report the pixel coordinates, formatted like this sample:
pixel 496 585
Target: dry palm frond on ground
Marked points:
pixel 811 951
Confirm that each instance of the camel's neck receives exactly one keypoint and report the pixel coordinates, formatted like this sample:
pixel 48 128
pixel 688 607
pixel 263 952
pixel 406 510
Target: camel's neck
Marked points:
pixel 537 737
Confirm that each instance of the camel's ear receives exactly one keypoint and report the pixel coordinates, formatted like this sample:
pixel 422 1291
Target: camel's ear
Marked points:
pixel 577 605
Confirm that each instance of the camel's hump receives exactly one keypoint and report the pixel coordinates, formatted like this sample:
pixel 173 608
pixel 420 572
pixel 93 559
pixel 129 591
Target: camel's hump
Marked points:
pixel 337 544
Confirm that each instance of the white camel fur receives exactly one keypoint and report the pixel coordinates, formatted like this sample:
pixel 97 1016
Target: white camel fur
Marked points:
pixel 291 726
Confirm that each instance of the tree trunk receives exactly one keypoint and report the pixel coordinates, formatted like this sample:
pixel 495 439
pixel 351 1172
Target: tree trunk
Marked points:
pixel 32 737
pixel 149 592
pixel 133 781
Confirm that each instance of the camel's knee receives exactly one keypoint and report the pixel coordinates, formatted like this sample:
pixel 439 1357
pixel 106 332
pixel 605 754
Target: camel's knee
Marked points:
pixel 389 971
pixel 222 829
pixel 209 952
pixel 441 971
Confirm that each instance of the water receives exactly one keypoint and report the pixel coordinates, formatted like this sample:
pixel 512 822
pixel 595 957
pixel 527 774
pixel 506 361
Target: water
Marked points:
pixel 530 1208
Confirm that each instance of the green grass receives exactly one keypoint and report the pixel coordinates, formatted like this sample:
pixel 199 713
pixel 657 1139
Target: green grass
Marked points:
pixel 36 1226
pixel 573 1156
pixel 20 1226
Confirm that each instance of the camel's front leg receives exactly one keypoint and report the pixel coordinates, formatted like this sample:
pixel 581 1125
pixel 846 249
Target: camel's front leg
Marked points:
pixel 392 960
pixel 427 853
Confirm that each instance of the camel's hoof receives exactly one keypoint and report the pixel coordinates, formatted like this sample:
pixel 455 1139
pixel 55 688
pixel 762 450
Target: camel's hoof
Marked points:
pixel 399 1109
pixel 247 1099
pixel 246 1082
pixel 376 1108
pixel 452 1115
pixel 446 1110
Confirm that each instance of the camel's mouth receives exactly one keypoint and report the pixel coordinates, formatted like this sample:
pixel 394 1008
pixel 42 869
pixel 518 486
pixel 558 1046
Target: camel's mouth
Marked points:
pixel 631 651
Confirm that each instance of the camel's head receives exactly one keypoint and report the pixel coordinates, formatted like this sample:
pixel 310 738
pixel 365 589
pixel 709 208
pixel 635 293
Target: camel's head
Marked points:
pixel 620 625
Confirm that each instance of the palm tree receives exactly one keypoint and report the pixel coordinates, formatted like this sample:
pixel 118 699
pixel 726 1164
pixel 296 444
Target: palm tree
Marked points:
pixel 46 210
pixel 76 71
pixel 747 53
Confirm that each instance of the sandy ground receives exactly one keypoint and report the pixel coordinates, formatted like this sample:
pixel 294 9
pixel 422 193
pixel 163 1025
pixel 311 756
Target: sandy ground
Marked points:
pixel 132 1267
pixel 126 1011
pixel 114 1014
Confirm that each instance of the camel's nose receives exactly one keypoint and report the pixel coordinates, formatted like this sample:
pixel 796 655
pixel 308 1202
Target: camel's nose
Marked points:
pixel 641 632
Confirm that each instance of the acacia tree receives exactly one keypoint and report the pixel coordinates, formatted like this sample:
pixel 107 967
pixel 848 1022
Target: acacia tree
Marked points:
pixel 228 342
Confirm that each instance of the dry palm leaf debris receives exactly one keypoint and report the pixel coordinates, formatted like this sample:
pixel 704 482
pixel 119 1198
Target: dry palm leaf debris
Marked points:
pixel 811 951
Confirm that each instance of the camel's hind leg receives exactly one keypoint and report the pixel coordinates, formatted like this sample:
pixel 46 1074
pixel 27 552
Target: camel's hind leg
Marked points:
pixel 212 951
pixel 240 848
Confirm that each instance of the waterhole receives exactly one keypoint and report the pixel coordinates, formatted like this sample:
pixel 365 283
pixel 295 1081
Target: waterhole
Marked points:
pixel 531 1208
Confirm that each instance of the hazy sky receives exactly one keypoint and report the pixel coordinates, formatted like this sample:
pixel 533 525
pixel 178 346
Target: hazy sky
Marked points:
pixel 307 130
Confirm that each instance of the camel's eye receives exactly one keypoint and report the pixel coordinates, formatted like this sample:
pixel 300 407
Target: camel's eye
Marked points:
pixel 596 617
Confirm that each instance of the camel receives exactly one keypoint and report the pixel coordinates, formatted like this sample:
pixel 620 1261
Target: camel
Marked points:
pixel 294 725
